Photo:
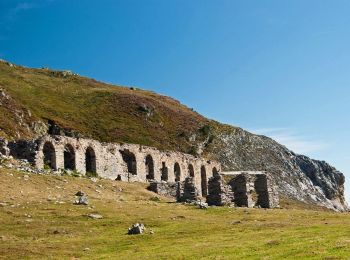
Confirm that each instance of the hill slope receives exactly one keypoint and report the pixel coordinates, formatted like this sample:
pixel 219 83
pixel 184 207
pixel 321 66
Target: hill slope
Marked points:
pixel 35 101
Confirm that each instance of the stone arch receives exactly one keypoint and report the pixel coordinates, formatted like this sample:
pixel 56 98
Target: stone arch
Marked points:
pixel 190 170
pixel 204 182
pixel 164 172
pixel 177 172
pixel 49 155
pixel 149 167
pixel 69 157
pixel 130 159
pixel 90 160
pixel 215 171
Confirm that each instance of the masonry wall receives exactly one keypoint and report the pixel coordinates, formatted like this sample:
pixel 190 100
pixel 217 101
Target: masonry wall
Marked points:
pixel 109 162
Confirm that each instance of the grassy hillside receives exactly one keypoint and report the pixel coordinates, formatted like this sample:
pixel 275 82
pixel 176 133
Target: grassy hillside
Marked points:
pixel 94 109
pixel 39 221
pixel 33 101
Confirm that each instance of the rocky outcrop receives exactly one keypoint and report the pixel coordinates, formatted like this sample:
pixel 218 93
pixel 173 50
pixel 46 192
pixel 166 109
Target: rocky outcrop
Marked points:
pixel 296 176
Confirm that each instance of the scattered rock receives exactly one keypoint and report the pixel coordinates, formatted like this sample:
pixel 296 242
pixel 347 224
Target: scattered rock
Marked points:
pixel 80 193
pixel 82 201
pixel 136 229
pixel 201 205
pixel 95 216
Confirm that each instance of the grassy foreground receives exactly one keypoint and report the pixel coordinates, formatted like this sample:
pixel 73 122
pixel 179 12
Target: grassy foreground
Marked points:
pixel 39 221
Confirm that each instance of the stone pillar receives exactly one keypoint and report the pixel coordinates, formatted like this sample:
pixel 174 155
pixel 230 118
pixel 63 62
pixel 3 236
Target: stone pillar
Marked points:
pixel 189 192
pixel 220 193
pixel 267 195
pixel 4 150
pixel 243 189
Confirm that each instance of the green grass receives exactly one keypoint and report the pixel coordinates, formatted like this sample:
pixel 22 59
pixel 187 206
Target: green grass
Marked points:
pixel 62 231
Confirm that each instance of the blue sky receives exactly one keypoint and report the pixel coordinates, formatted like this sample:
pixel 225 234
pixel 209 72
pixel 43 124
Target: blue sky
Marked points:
pixel 279 68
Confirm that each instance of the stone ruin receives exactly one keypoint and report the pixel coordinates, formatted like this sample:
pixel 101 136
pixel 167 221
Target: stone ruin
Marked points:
pixel 124 162
pixel 182 176
pixel 243 189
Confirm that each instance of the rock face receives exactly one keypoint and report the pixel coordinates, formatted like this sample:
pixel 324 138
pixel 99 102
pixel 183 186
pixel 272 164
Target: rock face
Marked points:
pixel 296 176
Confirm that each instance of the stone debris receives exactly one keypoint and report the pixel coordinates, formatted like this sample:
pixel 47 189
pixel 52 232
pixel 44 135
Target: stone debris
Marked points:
pixel 201 204
pixel 82 199
pixel 167 189
pixel 137 228
pixel 95 216
pixel 80 193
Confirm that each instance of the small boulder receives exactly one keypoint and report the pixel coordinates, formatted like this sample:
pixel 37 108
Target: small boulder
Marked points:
pixel 201 205
pixel 136 229
pixel 95 216
pixel 80 193
pixel 82 201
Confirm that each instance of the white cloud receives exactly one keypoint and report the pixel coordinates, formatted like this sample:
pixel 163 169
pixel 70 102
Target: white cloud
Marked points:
pixel 294 141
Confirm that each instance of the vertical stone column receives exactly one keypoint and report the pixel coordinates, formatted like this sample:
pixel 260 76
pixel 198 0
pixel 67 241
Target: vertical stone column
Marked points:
pixel 242 187
pixel 189 191
pixel 220 193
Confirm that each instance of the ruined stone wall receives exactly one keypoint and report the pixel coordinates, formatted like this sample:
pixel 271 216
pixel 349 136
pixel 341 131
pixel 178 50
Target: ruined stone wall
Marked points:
pixel 220 193
pixel 243 189
pixel 110 163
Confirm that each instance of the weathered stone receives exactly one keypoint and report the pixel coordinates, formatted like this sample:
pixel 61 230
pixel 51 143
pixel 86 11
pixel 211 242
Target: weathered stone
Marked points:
pixel 95 216
pixel 164 188
pixel 188 191
pixel 220 193
pixel 4 150
pixel 80 193
pixel 136 229
pixel 82 200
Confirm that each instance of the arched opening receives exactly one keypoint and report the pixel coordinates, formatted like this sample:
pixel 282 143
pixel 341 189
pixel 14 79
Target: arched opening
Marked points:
pixel 215 171
pixel 130 160
pixel 204 183
pixel 49 156
pixel 177 172
pixel 149 168
pixel 190 170
pixel 261 189
pixel 164 176
pixel 69 157
pixel 90 160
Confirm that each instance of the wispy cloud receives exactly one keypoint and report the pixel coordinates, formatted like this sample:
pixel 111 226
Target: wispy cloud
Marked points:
pixel 295 141
pixel 17 9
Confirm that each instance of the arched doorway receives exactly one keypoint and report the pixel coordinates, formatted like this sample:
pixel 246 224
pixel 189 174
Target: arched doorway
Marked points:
pixel 177 172
pixel 190 170
pixel 49 156
pixel 69 157
pixel 204 184
pixel 149 168
pixel 130 160
pixel 90 160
